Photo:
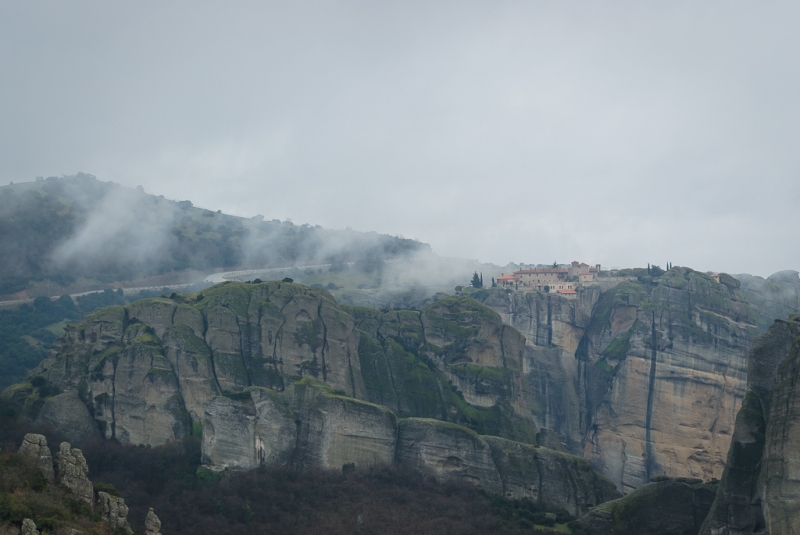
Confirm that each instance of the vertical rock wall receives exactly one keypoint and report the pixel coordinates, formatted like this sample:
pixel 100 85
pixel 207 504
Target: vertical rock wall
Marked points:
pixel 642 379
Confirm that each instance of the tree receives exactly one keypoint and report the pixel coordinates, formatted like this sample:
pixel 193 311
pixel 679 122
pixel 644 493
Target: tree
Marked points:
pixel 476 281
pixel 555 264
pixel 546 288
pixel 494 283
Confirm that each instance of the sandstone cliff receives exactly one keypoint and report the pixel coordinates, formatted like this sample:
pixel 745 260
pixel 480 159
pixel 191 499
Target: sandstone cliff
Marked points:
pixel 642 379
pixel 759 488
pixel 144 373
pixel 279 374
pixel 311 426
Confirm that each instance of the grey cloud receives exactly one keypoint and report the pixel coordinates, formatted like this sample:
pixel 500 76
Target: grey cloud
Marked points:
pixel 619 133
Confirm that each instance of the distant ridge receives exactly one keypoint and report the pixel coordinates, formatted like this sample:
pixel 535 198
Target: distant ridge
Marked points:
pixel 57 231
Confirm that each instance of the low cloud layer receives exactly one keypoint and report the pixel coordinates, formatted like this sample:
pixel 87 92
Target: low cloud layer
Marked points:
pixel 124 228
pixel 620 134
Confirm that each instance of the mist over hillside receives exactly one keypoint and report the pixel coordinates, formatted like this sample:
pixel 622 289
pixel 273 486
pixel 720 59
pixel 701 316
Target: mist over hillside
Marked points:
pixel 59 231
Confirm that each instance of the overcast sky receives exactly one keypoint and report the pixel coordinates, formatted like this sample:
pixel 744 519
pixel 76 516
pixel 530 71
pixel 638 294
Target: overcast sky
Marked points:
pixel 612 132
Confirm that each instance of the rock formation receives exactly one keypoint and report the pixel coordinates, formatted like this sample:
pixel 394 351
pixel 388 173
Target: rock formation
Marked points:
pixel 277 373
pixel 759 488
pixel 318 428
pixel 152 524
pixel 113 510
pixel 36 446
pixel 144 373
pixel 29 527
pixel 72 472
pixel 642 379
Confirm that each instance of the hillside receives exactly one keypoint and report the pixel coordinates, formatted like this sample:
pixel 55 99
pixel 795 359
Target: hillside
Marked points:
pixel 59 232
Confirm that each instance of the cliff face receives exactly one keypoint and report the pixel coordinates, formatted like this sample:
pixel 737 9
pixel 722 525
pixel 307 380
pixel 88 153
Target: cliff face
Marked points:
pixel 759 490
pixel 279 374
pixel 642 379
pixel 145 373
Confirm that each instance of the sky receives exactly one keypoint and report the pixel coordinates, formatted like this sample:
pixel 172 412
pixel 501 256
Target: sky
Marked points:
pixel 618 133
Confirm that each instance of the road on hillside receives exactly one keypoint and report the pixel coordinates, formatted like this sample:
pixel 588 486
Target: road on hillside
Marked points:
pixel 213 278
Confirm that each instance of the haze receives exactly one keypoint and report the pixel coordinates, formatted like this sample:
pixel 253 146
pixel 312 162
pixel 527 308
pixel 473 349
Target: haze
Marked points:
pixel 616 133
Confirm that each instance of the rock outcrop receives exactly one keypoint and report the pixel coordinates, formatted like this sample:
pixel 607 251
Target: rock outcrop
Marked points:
pixel 29 527
pixel 113 510
pixel 760 488
pixel 35 446
pixel 669 506
pixel 72 472
pixel 642 379
pixel 152 524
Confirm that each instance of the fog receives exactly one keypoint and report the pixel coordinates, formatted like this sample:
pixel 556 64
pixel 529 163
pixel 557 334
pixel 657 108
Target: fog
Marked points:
pixel 124 227
pixel 618 134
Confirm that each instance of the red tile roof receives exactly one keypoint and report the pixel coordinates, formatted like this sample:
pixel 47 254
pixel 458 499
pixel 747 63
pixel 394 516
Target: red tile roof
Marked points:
pixel 540 270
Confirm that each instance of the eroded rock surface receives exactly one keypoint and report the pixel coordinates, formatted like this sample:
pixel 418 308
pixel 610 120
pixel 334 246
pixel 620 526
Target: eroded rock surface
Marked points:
pixel 255 429
pixel 554 478
pixel 642 379
pixel 72 472
pixel 29 527
pixel 146 372
pixel 152 524
pixel 35 446
pixel 113 510
pixel 448 451
pixel 336 431
pixel 760 488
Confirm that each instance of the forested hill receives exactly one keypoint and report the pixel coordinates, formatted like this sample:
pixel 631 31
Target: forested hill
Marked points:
pixel 61 230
